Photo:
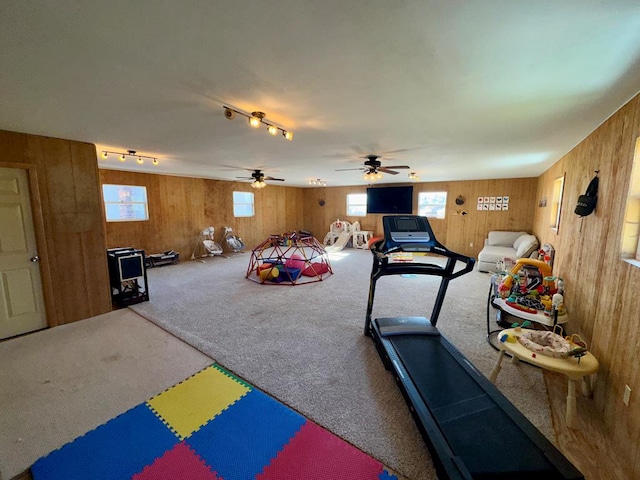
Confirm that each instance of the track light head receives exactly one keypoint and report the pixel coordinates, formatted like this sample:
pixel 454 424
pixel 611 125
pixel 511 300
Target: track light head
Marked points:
pixel 256 119
pixel 229 114
pixel 288 135
pixel 272 129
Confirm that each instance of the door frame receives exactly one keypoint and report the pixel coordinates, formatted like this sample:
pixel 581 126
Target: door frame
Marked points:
pixel 41 238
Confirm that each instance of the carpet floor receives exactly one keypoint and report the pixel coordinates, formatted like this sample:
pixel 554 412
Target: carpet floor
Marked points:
pixel 304 344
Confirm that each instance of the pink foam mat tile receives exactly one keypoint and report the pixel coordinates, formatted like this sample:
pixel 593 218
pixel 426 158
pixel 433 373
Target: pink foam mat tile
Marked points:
pixel 179 462
pixel 316 454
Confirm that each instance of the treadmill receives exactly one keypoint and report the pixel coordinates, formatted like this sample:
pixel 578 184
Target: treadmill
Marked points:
pixel 471 429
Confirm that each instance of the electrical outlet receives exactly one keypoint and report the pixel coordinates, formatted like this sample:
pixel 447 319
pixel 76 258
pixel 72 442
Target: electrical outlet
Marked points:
pixel 627 395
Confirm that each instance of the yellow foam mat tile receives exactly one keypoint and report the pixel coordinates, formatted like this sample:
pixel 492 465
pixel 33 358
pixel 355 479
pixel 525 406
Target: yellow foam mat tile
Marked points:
pixel 190 404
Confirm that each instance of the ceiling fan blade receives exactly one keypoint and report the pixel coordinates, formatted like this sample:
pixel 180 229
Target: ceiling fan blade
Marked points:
pixel 397 166
pixel 276 179
pixel 246 178
pixel 347 169
pixel 386 170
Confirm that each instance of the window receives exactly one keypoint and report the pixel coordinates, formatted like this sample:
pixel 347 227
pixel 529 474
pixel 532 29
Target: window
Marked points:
pixel 556 204
pixel 357 204
pixel 630 247
pixel 125 203
pixel 243 204
pixel 432 204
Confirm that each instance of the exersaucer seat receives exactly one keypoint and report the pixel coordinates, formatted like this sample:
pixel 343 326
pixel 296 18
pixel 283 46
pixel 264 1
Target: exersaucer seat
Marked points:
pixel 545 343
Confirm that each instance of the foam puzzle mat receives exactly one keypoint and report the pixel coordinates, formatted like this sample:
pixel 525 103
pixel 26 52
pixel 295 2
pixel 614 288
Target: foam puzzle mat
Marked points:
pixel 211 426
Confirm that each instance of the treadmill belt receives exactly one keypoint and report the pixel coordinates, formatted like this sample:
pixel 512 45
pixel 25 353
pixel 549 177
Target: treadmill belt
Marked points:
pixel 487 439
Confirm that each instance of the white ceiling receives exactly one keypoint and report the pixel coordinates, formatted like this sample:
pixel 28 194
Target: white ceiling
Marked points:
pixel 456 89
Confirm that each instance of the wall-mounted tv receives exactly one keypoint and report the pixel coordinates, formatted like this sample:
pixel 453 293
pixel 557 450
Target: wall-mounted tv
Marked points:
pixel 390 200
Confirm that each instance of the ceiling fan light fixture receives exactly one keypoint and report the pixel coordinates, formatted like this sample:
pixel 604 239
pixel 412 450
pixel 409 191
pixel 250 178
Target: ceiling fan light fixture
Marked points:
pixel 258 184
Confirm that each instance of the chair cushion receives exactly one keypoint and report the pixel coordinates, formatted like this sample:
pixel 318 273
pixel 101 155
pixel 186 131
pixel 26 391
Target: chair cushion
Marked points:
pixel 519 241
pixel 527 246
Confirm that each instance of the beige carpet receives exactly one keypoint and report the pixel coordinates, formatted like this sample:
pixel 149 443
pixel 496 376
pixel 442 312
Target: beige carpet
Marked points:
pixel 57 384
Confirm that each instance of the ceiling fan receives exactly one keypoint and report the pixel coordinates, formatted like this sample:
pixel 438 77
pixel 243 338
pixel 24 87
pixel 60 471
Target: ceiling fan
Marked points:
pixel 373 166
pixel 259 178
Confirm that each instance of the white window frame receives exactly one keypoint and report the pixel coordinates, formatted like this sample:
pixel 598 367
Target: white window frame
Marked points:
pixel 356 200
pixel 128 210
pixel 440 206
pixel 630 241
pixel 238 203
pixel 556 203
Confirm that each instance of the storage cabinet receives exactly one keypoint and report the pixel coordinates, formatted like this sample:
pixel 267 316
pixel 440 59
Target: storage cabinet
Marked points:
pixel 127 276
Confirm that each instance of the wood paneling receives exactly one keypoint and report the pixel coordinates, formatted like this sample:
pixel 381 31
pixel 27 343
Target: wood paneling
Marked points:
pixel 68 221
pixel 181 207
pixel 457 231
pixel 602 289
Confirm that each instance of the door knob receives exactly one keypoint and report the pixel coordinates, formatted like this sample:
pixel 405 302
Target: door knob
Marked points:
pixel 35 259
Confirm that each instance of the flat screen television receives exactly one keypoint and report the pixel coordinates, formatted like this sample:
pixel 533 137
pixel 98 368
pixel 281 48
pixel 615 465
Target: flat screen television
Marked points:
pixel 390 200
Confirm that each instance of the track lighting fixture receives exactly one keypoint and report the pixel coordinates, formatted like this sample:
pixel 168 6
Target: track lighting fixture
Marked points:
pixel 256 119
pixel 414 177
pixel 317 182
pixel 130 153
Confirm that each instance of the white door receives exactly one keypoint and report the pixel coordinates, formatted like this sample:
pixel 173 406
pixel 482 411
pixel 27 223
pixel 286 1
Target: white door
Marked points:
pixel 21 300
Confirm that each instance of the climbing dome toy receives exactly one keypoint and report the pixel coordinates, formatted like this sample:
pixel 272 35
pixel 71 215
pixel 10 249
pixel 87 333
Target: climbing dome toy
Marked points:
pixel 292 258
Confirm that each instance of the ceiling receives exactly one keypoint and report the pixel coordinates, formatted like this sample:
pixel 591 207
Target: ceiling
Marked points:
pixel 457 90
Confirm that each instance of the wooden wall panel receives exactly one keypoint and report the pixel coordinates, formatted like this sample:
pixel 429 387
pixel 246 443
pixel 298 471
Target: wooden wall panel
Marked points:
pixel 181 207
pixel 176 213
pixel 602 288
pixel 461 233
pixel 69 226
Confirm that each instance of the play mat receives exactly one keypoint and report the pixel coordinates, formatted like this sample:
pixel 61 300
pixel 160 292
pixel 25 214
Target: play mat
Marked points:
pixel 211 426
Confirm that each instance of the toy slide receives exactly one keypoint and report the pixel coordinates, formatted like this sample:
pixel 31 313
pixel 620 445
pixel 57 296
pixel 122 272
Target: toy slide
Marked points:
pixel 340 243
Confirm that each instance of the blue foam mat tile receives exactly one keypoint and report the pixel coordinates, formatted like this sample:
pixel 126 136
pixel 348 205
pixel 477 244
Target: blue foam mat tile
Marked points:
pixel 117 449
pixel 242 440
pixel 384 475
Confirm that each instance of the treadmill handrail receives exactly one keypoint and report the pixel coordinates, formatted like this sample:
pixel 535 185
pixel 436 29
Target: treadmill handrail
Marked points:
pixel 382 256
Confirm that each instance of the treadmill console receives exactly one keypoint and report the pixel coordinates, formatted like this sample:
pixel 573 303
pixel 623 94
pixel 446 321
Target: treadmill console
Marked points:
pixel 408 233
